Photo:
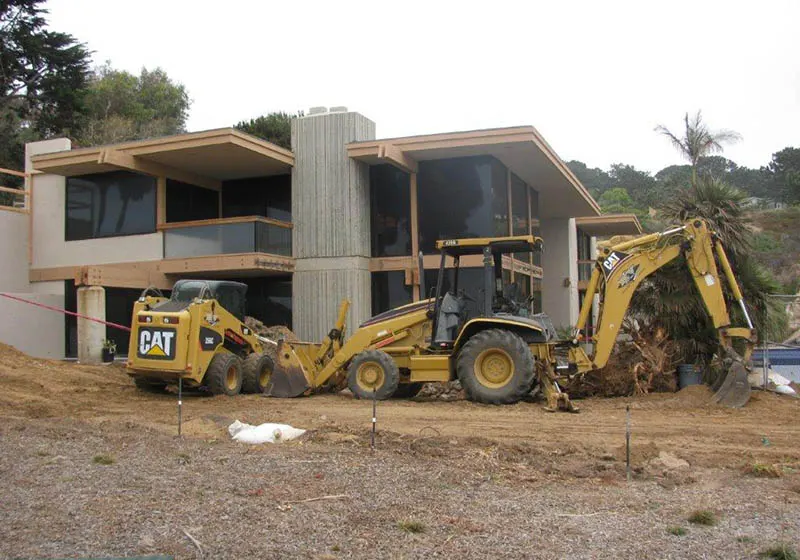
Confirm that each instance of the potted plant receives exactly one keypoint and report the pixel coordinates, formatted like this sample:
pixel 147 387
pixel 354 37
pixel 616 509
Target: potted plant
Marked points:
pixel 109 351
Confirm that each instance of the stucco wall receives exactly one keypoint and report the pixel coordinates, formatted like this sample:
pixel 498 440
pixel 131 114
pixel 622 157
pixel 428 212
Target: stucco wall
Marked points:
pixel 13 252
pixel 33 330
pixel 49 217
pixel 560 271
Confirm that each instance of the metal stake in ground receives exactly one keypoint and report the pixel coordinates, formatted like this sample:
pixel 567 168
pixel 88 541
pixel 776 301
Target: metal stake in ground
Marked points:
pixel 374 418
pixel 628 442
pixel 180 402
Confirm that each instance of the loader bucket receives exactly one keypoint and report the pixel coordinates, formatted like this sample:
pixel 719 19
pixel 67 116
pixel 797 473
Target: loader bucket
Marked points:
pixel 288 376
pixel 735 389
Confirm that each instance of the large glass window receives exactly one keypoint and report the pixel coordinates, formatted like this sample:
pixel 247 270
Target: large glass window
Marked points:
pixel 533 200
pixel 258 196
pixel 389 290
pixel 269 299
pixel 110 204
pixel 461 197
pixel 186 202
pixel 519 206
pixel 390 204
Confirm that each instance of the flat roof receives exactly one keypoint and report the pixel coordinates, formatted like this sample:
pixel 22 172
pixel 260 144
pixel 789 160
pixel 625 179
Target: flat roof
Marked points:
pixel 521 149
pixel 609 224
pixel 220 154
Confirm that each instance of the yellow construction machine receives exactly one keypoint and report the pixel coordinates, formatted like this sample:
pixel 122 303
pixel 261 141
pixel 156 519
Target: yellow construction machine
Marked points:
pixel 499 351
pixel 197 335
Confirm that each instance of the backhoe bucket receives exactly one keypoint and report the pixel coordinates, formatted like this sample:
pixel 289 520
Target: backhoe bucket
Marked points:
pixel 288 376
pixel 735 389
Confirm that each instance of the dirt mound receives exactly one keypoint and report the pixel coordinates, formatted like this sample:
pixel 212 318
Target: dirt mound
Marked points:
pixel 274 332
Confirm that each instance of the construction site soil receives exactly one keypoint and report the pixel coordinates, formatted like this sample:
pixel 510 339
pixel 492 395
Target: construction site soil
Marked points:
pixel 89 467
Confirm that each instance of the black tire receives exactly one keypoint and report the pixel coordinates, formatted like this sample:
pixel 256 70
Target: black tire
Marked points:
pixel 495 366
pixel 224 374
pixel 407 390
pixel 257 373
pixel 149 385
pixel 373 363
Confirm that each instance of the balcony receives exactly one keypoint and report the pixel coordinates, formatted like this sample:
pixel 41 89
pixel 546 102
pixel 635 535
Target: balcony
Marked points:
pixel 227 236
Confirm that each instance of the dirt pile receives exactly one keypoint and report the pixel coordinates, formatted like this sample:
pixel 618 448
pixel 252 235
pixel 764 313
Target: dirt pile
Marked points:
pixel 450 391
pixel 274 332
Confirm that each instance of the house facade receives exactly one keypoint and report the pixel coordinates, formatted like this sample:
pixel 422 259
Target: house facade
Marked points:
pixel 340 215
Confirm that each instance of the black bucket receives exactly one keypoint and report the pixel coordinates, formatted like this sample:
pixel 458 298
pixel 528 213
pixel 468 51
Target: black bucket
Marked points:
pixel 689 374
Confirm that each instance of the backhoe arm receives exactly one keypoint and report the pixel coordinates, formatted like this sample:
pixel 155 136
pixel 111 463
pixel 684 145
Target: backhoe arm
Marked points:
pixel 623 267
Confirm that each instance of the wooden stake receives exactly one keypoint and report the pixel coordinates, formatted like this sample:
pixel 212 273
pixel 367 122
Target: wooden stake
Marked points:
pixel 628 442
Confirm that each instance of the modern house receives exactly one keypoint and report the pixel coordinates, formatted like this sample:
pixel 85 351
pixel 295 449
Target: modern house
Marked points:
pixel 341 214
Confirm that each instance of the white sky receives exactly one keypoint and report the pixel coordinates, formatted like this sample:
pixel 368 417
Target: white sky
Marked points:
pixel 594 77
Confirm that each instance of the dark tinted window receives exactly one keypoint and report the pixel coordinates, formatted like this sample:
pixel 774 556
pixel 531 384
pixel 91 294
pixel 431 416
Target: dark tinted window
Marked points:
pixel 109 204
pixel 456 199
pixel 187 202
pixel 390 205
pixel 270 300
pixel 119 310
pixel 533 200
pixel 258 196
pixel 389 290
pixel 519 206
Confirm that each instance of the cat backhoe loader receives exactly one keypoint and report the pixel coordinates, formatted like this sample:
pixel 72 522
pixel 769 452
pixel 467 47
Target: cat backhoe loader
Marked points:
pixel 495 347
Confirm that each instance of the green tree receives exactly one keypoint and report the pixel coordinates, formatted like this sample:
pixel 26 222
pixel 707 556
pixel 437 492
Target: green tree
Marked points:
pixel 594 179
pixel 698 141
pixel 616 201
pixel 783 175
pixel 42 79
pixel 668 299
pixel 273 127
pixel 120 106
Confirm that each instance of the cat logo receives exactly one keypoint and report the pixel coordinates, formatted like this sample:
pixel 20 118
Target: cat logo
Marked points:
pixel 628 276
pixel 156 344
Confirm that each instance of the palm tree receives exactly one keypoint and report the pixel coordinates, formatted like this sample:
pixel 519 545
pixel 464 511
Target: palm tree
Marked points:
pixel 698 141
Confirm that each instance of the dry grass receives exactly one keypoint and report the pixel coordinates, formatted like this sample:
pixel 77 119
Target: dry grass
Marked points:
pixel 676 530
pixel 763 470
pixel 703 517
pixel 780 551
pixel 103 459
pixel 411 526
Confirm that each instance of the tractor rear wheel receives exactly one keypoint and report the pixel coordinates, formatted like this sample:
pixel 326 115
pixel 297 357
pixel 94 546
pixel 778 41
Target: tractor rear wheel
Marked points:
pixel 149 385
pixel 495 366
pixel 373 373
pixel 407 390
pixel 257 373
pixel 224 374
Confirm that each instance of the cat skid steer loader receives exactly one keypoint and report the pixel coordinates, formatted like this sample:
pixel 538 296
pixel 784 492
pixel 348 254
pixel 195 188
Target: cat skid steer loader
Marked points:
pixel 197 335
pixel 499 351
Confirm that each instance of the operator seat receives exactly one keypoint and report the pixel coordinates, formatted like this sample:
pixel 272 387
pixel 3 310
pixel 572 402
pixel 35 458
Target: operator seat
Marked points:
pixel 451 318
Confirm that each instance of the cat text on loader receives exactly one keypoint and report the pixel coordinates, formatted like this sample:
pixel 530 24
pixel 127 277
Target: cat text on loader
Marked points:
pixel 198 334
pixel 493 345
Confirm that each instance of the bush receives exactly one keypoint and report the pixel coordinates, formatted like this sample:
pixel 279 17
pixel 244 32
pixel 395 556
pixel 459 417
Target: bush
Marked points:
pixel 703 517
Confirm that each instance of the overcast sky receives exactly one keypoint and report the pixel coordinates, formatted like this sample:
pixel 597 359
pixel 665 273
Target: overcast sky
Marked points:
pixel 593 77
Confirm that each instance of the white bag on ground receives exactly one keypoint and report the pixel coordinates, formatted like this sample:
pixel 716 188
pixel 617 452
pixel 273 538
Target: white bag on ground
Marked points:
pixel 263 433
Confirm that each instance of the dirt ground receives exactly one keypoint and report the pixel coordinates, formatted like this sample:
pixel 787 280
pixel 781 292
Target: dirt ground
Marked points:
pixel 447 479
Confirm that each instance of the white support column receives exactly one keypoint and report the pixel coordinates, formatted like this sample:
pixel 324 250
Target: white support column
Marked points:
pixel 92 303
pixel 560 266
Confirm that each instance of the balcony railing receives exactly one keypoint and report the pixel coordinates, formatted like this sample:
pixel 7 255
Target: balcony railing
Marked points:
pixel 15 199
pixel 225 236
pixel 585 270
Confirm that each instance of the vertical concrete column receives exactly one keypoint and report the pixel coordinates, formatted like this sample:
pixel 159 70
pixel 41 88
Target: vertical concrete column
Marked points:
pixel 92 303
pixel 560 270
pixel 331 216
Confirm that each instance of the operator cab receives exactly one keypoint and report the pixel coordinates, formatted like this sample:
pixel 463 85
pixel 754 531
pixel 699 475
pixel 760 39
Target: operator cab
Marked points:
pixel 452 305
pixel 230 295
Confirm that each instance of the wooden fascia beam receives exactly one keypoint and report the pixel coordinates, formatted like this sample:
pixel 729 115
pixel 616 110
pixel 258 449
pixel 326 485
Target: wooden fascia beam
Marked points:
pixel 133 163
pixel 395 156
